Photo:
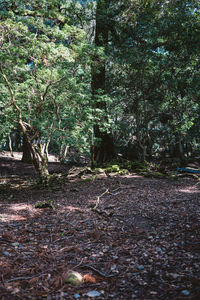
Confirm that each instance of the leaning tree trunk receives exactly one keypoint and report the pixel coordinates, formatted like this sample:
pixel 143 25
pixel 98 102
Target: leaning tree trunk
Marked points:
pixel 33 153
pixel 40 162
pixel 103 150
pixel 39 159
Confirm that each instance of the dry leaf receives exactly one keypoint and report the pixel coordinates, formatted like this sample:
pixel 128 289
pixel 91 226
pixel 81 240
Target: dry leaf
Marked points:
pixel 89 279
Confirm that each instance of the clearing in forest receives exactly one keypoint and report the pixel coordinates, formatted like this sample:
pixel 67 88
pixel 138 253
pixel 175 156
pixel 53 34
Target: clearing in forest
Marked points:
pixel 129 237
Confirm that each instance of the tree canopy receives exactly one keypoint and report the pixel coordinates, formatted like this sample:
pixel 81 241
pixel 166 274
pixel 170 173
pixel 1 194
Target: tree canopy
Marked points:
pixel 105 77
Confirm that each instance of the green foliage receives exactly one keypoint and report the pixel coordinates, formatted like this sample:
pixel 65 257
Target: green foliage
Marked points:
pixel 154 71
pixel 113 168
pixel 151 57
pixel 46 204
pixel 47 67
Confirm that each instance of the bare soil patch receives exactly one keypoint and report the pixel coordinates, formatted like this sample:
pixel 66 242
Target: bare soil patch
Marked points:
pixel 141 241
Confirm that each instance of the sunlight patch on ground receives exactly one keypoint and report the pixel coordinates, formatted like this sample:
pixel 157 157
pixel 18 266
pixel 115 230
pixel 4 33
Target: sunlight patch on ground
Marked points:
pixel 18 156
pixel 73 208
pixel 19 207
pixel 11 217
pixel 189 191
pixel 16 212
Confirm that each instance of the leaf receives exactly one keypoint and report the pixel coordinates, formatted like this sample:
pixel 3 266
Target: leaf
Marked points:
pixel 89 279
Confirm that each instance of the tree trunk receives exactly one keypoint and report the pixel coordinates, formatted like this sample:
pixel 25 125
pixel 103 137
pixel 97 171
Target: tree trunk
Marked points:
pixel 40 165
pixel 18 139
pixel 27 156
pixel 10 145
pixel 33 153
pixel 178 151
pixel 103 150
pixel 141 147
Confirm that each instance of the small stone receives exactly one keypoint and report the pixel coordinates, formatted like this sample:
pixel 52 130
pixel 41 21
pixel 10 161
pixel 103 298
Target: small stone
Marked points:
pixel 174 275
pixel 63 294
pixel 93 294
pixel 15 244
pixel 5 253
pixel 158 249
pixel 185 292
pixel 76 296
pixel 141 267
pixel 153 293
pixel 105 250
pixel 113 267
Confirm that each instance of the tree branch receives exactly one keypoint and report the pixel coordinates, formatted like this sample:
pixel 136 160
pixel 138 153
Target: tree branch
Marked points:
pixel 13 99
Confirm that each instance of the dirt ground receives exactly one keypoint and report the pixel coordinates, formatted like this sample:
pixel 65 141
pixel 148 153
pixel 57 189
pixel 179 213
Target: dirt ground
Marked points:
pixel 129 237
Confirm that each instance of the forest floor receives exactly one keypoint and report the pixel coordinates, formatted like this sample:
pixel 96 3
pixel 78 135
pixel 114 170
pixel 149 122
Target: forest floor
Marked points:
pixel 129 237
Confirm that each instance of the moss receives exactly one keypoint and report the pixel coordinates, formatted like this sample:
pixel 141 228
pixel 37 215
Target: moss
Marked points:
pixel 113 168
pixel 88 179
pixel 99 170
pixel 123 172
pixel 141 168
pixel 139 165
pixel 173 176
pixel 46 204
pixel 157 175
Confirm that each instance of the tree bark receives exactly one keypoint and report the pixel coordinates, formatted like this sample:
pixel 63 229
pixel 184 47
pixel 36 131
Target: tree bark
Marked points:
pixel 10 145
pixel 27 156
pixel 103 150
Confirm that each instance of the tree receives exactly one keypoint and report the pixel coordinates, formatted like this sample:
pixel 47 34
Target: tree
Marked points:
pixel 132 81
pixel 39 63
pixel 103 148
pixel 156 58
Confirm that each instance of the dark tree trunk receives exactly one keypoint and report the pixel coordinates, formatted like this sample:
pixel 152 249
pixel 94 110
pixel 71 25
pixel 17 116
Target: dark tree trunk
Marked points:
pixel 27 156
pixel 178 151
pixel 18 140
pixel 103 150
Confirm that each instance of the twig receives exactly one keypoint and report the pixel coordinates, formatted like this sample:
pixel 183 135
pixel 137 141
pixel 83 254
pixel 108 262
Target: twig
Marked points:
pixel 98 199
pixel 99 272
pixel 25 278
pixel 109 192
pixel 95 270
pixel 78 264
